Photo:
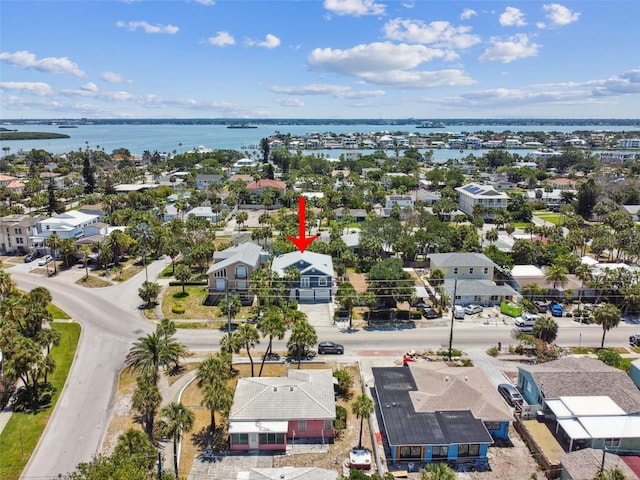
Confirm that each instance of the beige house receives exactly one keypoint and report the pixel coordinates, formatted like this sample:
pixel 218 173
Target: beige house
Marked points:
pixel 231 272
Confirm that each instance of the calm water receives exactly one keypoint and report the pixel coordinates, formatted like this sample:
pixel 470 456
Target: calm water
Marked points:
pixel 167 138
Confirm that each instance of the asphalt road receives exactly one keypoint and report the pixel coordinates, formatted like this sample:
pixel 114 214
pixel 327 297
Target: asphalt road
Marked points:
pixel 111 321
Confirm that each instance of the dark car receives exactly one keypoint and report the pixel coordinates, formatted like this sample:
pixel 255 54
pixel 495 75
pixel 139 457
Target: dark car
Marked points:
pixel 330 347
pixel 430 312
pixel 541 305
pixel 510 394
pixel 635 340
pixel 30 257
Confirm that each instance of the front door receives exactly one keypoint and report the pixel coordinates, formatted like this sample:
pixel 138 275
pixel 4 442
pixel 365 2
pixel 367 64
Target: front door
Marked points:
pixel 253 441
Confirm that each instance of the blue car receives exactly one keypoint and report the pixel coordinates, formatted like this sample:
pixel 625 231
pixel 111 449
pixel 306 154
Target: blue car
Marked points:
pixel 556 310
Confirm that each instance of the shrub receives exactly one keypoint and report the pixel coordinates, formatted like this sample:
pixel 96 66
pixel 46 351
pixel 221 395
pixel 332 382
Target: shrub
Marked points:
pixel 345 382
pixel 493 351
pixel 177 308
pixel 609 357
pixel 341 419
pixel 416 315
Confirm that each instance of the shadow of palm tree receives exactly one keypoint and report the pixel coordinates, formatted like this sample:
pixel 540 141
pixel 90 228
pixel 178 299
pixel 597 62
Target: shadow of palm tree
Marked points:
pixel 206 438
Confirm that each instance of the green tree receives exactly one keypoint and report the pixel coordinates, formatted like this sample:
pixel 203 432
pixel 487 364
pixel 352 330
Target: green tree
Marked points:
pixel 546 329
pixel 586 198
pixel 437 471
pixel 248 337
pixel 271 325
pixel 389 282
pixel 212 376
pixel 556 275
pixel 608 317
pixel 145 402
pixel 88 175
pixel 183 274
pixel 149 292
pixel 176 419
pixel 133 443
pixel 144 235
pixel 347 297
pixel 362 408
pixel 303 337
pixel 54 244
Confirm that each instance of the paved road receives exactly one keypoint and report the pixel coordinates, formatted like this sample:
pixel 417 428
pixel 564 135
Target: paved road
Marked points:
pixel 111 321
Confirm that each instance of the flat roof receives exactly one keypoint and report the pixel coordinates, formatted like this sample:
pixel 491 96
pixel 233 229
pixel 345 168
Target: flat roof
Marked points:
pixel 599 405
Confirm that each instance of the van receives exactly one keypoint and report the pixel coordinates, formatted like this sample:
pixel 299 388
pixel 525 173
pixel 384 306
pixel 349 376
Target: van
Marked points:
pixel 458 312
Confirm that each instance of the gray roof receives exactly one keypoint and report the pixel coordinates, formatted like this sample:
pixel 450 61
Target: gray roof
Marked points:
pixel 455 259
pixel 302 395
pixel 585 464
pixel 318 261
pixel 406 426
pixel 571 376
pixel 247 253
pixel 478 287
pixel 290 473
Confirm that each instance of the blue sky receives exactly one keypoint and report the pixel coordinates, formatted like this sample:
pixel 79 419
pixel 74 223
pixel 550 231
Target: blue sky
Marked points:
pixel 319 59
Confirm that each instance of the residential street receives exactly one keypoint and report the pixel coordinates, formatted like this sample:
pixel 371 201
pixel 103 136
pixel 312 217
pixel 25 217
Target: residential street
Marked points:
pixel 111 321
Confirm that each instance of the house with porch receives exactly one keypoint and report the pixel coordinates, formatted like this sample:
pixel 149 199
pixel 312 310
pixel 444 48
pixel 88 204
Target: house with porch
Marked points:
pixel 231 272
pixel 442 431
pixel 315 283
pixel 269 413
pixel 16 232
pixel 71 224
pixel 476 195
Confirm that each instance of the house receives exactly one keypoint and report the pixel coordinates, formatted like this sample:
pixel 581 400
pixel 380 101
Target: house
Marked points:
pixel 231 271
pixel 357 215
pixel 417 435
pixel 69 224
pixel 315 284
pixel 257 188
pixel 203 182
pixel 632 210
pixel 268 413
pixel 244 163
pixel 468 278
pixel 403 201
pixel 208 213
pixel 16 232
pixel 94 209
pixel 585 464
pixel 476 195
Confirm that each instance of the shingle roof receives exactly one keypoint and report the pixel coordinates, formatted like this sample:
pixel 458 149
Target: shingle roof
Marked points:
pixel 455 259
pixel 302 395
pixel 248 253
pixel 572 376
pixel 585 464
pixel 319 261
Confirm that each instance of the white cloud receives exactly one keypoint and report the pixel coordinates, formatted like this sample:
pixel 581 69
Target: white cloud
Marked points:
pixel 270 41
pixel 507 51
pixel 221 39
pixel 26 59
pixel 111 77
pixel 289 102
pixel 559 15
pixel 34 88
pixel 439 33
pixel 467 13
pixel 356 8
pixel 337 91
pixel 206 2
pixel 147 27
pixel 512 17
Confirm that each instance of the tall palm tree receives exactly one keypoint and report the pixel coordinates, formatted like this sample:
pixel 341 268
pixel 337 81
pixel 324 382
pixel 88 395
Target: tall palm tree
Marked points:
pixel 556 275
pixel 303 336
pixel 176 419
pixel 248 337
pixel 230 344
pixel 607 316
pixel 546 329
pixel 146 401
pixel 133 444
pixel 54 244
pixel 348 298
pixel 217 397
pixel 272 326
pixel 362 407
pixel 143 233
pixel 85 250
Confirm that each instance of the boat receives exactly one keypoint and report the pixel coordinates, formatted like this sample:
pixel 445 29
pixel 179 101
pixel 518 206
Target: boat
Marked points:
pixel 241 125
pixel 360 458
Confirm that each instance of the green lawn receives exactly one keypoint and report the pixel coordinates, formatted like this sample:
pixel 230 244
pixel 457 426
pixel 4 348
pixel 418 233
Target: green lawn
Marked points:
pixel 21 435
pixel 192 301
pixel 555 218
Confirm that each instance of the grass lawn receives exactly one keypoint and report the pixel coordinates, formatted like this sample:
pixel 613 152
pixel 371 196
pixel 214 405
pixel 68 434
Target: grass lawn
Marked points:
pixel 555 218
pixel 192 301
pixel 21 435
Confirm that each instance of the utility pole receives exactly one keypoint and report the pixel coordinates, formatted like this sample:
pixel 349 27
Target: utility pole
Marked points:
pixel 453 304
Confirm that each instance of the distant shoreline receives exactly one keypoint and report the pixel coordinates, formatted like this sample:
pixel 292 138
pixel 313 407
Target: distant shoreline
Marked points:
pixel 31 135
pixel 389 123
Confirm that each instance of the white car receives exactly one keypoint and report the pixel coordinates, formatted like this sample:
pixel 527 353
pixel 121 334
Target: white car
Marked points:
pixel 45 260
pixel 471 309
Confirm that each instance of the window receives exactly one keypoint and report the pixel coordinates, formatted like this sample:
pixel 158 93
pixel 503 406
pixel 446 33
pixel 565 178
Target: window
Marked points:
pixel 470 270
pixel 241 271
pixel 322 281
pixel 474 450
pixel 485 270
pixel 302 425
pixel 304 282
pixel 239 439
pixel 439 452
pixel 221 284
pixel 242 285
pixel 410 452
pixel 492 425
pixel 455 270
pixel 271 438
pixel 468 450
pixel 611 442
pixel 328 425
pixel 463 450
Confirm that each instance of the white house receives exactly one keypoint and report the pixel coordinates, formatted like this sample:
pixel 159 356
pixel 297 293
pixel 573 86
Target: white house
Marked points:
pixel 485 195
pixel 70 224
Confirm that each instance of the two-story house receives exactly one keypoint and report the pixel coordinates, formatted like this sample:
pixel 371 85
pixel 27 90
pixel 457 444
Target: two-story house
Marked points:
pixel 315 283
pixel 474 194
pixel 203 182
pixel 16 232
pixel 231 272
pixel 469 278
pixel 69 224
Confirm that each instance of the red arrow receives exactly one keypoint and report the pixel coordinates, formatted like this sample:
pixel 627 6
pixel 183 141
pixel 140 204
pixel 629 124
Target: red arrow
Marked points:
pixel 302 242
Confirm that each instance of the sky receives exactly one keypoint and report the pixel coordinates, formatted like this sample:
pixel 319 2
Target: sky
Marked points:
pixel 351 59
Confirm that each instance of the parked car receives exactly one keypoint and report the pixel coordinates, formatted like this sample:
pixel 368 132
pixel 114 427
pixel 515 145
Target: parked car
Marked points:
pixel 526 320
pixel 541 305
pixel 556 310
pixel 30 257
pixel 458 312
pixel 45 260
pixel 330 347
pixel 635 340
pixel 471 309
pixel 510 394
pixel 430 312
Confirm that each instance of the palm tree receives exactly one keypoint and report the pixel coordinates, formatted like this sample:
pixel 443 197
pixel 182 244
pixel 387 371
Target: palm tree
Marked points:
pixel 608 316
pixel 85 250
pixel 146 401
pixel 303 336
pixel 557 275
pixel 7 285
pixel 271 325
pixel 437 471
pixel 133 444
pixel 362 407
pixel 348 298
pixel 176 419
pixel 248 337
pixel 54 244
pixel 229 344
pixel 183 274
pixel 144 235
pixel 149 291
pixel 546 329
pixel 212 379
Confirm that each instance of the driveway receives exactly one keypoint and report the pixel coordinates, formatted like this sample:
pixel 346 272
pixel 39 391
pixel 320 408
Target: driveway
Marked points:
pixel 319 314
